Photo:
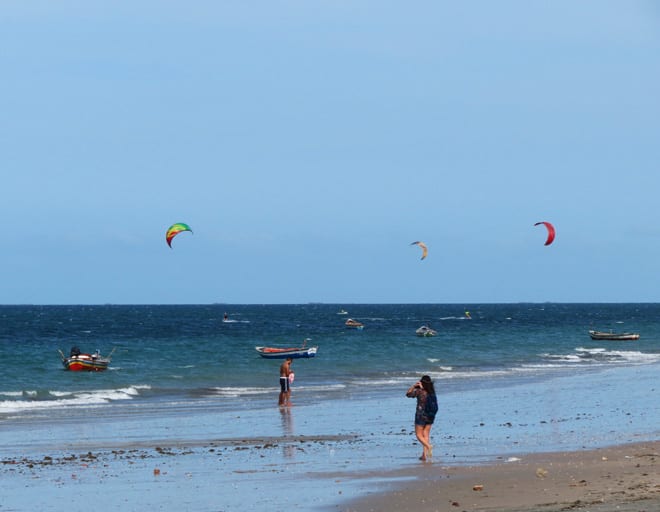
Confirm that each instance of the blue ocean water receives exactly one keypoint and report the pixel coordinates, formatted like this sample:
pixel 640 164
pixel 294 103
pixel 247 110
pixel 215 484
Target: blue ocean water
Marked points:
pixel 171 357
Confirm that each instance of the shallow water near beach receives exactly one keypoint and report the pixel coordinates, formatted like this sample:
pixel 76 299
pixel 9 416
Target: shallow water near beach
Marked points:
pixel 187 394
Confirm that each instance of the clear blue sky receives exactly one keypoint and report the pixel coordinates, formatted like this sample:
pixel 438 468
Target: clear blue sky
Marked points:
pixel 308 143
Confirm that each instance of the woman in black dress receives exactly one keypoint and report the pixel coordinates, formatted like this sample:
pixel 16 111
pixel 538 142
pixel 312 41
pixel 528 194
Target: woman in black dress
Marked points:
pixel 427 406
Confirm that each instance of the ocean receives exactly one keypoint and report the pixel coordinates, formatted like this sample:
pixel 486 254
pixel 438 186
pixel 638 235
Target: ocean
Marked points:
pixel 166 356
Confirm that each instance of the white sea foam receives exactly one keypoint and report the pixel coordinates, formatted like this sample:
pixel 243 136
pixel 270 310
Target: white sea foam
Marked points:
pixel 600 356
pixel 593 350
pixel 470 374
pixel 621 356
pixel 11 393
pixel 333 387
pixel 542 366
pixel 569 358
pixel 382 382
pixel 255 391
pixel 234 391
pixel 60 399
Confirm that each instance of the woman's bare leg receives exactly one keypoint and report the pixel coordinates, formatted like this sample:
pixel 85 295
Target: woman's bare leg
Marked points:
pixel 426 432
pixel 422 438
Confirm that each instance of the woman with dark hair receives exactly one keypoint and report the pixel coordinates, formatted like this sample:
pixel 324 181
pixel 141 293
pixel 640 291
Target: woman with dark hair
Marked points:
pixel 427 407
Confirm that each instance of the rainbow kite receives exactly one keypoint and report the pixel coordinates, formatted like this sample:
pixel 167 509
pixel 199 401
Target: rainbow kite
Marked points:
pixel 174 230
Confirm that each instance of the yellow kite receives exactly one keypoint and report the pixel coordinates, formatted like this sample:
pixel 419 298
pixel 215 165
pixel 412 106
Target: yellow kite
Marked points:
pixel 425 249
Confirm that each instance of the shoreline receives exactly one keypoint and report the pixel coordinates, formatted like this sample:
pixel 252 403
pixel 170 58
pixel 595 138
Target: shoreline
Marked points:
pixel 616 478
pixel 353 454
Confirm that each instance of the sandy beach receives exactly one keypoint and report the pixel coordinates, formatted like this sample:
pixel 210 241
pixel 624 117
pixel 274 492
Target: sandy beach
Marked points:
pixel 621 478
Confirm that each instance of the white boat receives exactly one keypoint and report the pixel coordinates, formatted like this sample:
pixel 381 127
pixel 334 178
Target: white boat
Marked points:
pixel 284 353
pixel 425 331
pixel 613 336
pixel 354 324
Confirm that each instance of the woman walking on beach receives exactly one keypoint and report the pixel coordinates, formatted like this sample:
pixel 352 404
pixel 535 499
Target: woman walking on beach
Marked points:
pixel 427 407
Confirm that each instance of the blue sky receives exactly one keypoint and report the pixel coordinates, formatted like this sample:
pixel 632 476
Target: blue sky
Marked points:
pixel 309 143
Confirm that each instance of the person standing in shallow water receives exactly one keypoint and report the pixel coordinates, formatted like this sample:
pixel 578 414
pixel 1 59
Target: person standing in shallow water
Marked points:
pixel 285 382
pixel 427 407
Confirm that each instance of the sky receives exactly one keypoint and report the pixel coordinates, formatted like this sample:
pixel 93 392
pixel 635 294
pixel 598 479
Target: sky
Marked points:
pixel 308 143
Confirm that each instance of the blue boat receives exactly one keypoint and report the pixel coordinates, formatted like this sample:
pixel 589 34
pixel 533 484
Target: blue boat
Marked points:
pixel 284 353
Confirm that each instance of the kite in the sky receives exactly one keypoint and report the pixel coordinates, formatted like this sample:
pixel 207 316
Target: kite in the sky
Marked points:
pixel 174 230
pixel 425 249
pixel 551 231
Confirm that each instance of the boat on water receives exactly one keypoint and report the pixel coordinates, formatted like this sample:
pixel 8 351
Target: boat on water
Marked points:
pixel 78 361
pixel 283 353
pixel 342 312
pixel 425 331
pixel 613 336
pixel 354 324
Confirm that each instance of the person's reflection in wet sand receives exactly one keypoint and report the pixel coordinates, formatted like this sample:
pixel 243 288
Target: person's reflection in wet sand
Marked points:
pixel 287 430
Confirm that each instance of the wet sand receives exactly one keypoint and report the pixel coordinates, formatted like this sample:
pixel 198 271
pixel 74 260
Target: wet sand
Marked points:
pixel 623 478
pixel 208 476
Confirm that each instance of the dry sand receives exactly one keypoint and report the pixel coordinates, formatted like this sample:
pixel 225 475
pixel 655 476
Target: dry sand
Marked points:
pixel 623 478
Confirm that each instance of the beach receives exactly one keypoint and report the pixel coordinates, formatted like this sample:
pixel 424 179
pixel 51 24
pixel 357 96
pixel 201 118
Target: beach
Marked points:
pixel 620 478
pixel 359 454
pixel 186 416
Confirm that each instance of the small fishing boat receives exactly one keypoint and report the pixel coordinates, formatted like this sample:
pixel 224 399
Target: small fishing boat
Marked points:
pixel 342 312
pixel 425 331
pixel 354 324
pixel 613 336
pixel 80 362
pixel 283 353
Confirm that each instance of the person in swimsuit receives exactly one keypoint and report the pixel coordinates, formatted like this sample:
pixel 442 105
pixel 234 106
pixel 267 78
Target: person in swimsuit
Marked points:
pixel 285 383
pixel 424 392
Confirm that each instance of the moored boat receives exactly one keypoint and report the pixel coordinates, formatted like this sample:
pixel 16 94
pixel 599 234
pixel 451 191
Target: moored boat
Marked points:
pixel 425 331
pixel 283 353
pixel 81 362
pixel 354 324
pixel 613 336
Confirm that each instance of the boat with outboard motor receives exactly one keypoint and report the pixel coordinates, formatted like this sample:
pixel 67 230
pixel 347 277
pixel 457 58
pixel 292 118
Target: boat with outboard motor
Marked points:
pixel 425 331
pixel 78 361
pixel 354 324
pixel 613 336
pixel 284 353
